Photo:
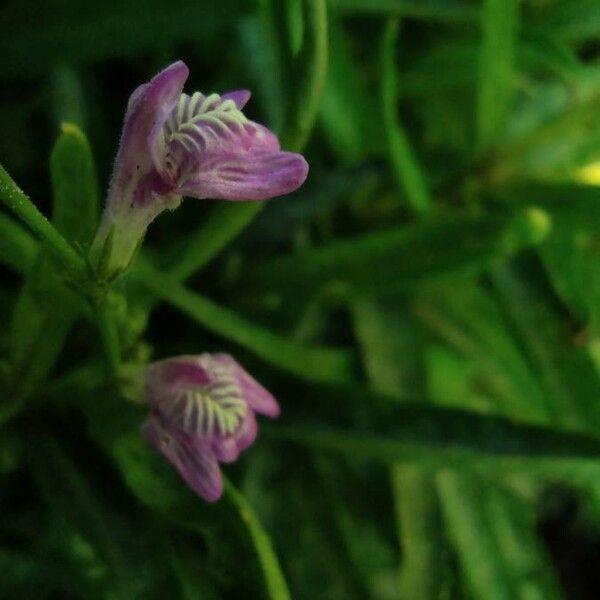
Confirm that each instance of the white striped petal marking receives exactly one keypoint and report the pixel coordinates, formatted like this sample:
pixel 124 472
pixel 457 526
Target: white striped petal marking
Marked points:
pixel 197 122
pixel 217 408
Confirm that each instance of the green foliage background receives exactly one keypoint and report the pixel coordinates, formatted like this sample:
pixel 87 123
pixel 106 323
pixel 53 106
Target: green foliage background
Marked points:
pixel 426 308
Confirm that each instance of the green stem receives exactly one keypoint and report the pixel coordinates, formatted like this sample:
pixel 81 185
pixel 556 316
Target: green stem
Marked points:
pixel 274 578
pixel 21 205
pixel 109 338
pixel 18 248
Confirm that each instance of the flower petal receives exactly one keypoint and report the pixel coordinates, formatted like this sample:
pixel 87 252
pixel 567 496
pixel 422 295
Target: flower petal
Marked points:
pixel 240 97
pixel 258 398
pixel 225 449
pixel 228 449
pixel 168 376
pixel 207 148
pixel 254 175
pixel 148 109
pixel 200 124
pixel 247 433
pixel 194 461
pixel 197 395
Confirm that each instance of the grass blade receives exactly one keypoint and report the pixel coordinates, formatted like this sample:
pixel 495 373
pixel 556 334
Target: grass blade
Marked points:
pixel 405 167
pixel 500 26
pixel 274 579
pixel 316 364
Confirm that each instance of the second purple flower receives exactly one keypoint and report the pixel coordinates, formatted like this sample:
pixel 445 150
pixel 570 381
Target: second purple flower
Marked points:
pixel 202 413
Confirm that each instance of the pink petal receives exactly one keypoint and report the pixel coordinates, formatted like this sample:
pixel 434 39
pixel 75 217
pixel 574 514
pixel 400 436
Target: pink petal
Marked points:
pixel 195 462
pixel 148 109
pixel 246 176
pixel 259 399
pixel 240 97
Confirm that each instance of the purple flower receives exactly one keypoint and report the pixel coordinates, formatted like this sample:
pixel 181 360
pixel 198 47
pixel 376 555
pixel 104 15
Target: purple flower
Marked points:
pixel 176 145
pixel 202 412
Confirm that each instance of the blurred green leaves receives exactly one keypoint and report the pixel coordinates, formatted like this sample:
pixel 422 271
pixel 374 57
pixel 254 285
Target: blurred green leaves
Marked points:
pixel 407 172
pixel 95 31
pixel 344 101
pixel 426 309
pixel 434 10
pixel 500 28
pixel 319 364
pixel 437 437
pixel 401 258
pixel 75 188
pixel 388 340
pixel 17 248
pixel 62 485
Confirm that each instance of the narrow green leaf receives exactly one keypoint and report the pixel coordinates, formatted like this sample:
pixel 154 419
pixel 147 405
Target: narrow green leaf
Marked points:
pixel 25 575
pixel 440 437
pixel 401 258
pixel 274 579
pixel 392 354
pixel 47 308
pixel 225 222
pixel 277 56
pixel 470 528
pixel 316 364
pixel 574 22
pixel 419 531
pixel 566 374
pixel 75 187
pixel 99 31
pixel 558 59
pixel 554 141
pixel 405 167
pixel 540 333
pixel 344 100
pixel 67 96
pixel 385 333
pixel 311 67
pixel 571 204
pixel 505 541
pixel 187 564
pixel 500 27
pixel 514 525
pixel 569 252
pixel 352 546
pixel 469 320
pixel 67 492
pixel 295 25
pixel 427 10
